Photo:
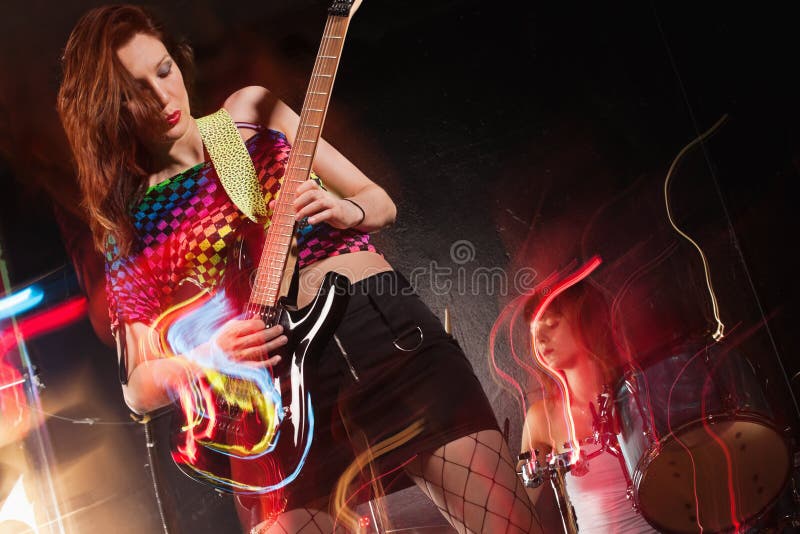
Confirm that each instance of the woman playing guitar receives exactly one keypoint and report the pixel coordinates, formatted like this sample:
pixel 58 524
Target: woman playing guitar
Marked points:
pixel 159 215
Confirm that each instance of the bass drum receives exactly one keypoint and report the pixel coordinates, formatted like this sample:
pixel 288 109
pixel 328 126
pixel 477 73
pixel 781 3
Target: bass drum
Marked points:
pixel 699 442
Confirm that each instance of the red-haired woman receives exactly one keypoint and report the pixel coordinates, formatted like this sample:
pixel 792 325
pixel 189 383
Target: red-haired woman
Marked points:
pixel 153 197
pixel 574 338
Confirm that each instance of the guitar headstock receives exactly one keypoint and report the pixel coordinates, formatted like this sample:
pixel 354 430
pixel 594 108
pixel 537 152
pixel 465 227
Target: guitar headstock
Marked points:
pixel 344 8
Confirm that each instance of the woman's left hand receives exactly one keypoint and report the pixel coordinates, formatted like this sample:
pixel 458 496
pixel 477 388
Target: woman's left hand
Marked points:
pixel 322 206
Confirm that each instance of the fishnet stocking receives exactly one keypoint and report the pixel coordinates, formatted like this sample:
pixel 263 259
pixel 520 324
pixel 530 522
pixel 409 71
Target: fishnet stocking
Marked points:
pixel 299 521
pixel 473 482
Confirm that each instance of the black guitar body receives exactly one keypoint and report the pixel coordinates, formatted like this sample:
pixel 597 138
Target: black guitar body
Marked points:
pixel 249 433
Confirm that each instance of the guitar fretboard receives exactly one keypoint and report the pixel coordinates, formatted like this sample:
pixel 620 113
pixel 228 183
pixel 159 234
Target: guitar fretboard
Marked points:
pixel 269 274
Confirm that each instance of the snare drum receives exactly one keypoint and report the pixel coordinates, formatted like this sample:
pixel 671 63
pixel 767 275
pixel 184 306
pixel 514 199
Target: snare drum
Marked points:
pixel 699 442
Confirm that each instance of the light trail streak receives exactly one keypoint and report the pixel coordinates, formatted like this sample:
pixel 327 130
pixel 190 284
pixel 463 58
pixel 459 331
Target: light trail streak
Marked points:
pixel 720 331
pixel 188 330
pixel 19 302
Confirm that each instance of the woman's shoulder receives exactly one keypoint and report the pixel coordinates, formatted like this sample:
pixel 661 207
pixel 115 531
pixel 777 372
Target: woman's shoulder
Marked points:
pixel 248 103
pixel 542 419
pixel 257 105
pixel 533 428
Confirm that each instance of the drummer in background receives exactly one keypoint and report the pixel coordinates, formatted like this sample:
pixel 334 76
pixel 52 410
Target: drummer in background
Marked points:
pixel 574 337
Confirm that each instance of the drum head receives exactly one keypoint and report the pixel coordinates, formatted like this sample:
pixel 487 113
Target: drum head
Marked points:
pixel 709 476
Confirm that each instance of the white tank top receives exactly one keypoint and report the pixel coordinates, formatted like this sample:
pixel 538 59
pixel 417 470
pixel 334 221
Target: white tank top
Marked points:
pixel 599 498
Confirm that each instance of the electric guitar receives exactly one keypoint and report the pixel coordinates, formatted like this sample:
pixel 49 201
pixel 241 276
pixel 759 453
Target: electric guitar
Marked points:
pixel 247 429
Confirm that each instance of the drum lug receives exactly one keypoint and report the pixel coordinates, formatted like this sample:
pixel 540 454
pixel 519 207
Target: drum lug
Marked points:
pixel 731 403
pixel 629 496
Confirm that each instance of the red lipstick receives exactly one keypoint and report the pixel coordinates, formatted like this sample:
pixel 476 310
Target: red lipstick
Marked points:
pixel 174 117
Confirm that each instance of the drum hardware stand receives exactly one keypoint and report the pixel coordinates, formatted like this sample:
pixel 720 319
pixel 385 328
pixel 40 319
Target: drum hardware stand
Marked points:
pixel 556 466
pixel 533 475
pixel 603 424
pixel 532 472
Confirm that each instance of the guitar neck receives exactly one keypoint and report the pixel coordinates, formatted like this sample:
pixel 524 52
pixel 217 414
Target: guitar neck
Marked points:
pixel 269 274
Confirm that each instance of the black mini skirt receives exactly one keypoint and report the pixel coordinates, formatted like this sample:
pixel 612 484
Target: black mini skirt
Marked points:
pixel 390 384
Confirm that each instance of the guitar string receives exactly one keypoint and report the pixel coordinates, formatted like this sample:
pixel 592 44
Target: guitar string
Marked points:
pixel 294 158
pixel 259 291
pixel 277 263
pixel 265 290
pixel 317 83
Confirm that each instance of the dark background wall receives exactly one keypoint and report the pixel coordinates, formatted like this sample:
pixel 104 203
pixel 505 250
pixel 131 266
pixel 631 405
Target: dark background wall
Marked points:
pixel 511 136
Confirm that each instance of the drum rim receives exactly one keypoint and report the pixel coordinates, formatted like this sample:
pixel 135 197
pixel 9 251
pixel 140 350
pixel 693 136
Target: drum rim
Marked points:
pixel 649 456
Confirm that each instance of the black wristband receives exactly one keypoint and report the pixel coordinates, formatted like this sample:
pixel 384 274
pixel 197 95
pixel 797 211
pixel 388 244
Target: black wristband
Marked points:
pixel 363 213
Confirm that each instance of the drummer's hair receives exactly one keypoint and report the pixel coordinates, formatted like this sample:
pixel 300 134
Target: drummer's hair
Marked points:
pixel 588 312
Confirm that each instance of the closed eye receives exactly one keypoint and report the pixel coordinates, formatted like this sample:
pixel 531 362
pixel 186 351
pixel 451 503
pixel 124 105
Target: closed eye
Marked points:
pixel 165 70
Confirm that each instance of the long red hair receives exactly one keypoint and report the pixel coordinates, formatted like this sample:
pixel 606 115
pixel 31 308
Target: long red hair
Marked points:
pixel 105 114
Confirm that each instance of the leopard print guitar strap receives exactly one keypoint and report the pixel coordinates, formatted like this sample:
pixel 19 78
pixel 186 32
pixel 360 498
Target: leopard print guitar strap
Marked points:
pixel 232 163
pixel 238 175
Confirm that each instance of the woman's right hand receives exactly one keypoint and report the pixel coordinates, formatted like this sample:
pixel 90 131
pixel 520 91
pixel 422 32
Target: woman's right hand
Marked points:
pixel 153 378
pixel 249 340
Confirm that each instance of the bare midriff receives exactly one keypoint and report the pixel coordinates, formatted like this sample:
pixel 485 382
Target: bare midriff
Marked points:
pixel 354 265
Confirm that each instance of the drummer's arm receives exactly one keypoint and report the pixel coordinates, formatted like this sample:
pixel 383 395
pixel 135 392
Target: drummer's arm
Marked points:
pixel 531 441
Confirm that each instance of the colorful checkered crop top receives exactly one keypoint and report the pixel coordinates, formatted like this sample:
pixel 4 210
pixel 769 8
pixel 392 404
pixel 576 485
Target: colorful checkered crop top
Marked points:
pixel 186 225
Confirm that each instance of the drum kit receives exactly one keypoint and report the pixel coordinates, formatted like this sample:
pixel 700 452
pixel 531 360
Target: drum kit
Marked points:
pixel 697 441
